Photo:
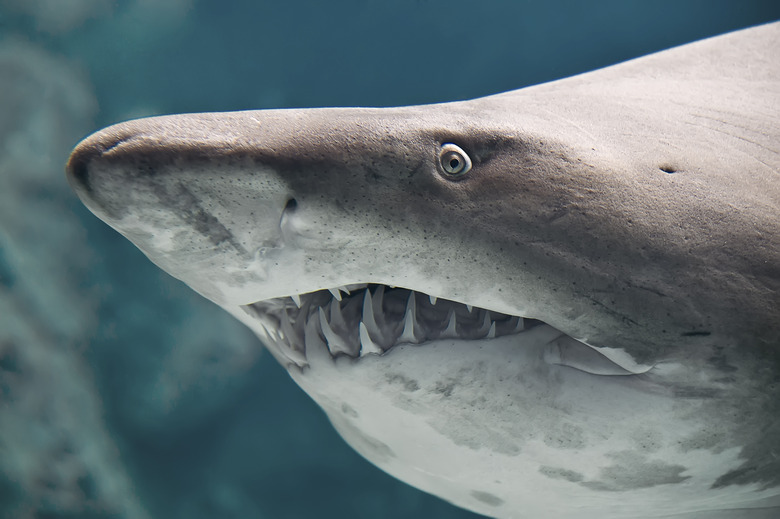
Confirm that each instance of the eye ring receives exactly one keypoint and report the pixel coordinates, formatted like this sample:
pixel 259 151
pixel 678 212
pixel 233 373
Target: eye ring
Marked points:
pixel 454 162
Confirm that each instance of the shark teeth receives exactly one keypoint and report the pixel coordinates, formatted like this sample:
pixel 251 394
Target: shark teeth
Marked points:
pixel 451 331
pixel 484 330
pixel 283 343
pixel 336 343
pixel 410 323
pixel 360 319
pixel 367 346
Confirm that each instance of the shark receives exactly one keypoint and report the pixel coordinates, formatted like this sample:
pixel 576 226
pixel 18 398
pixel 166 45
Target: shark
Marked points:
pixel 561 301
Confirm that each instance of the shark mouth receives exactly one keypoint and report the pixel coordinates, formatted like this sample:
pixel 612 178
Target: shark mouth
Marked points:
pixel 370 319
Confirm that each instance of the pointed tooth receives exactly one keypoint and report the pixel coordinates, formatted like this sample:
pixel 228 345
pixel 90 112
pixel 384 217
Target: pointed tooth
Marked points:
pixel 379 295
pixel 433 299
pixel 344 289
pixel 485 328
pixel 337 317
pixel 285 330
pixel 469 308
pixel 366 344
pixel 268 331
pixel 368 316
pixel 408 334
pixel 388 332
pixel 451 330
pixel 314 345
pixel 272 337
pixel 323 320
pixel 336 344
pixel 284 348
pixel 335 293
pixel 290 336
pixel 302 316
pixel 311 329
pixel 294 355
pixel 518 326
pixel 265 330
pixel 492 332
pixel 296 299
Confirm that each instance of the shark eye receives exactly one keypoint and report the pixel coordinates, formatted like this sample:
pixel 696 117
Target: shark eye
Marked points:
pixel 454 160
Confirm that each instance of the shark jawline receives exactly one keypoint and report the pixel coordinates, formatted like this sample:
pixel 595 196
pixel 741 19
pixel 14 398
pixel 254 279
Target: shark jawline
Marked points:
pixel 363 319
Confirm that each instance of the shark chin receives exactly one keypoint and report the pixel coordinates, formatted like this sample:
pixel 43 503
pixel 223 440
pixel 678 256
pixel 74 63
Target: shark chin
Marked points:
pixel 556 302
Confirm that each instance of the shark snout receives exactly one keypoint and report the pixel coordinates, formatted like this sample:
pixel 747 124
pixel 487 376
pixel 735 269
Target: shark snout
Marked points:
pixel 78 169
pixel 106 167
pixel 242 195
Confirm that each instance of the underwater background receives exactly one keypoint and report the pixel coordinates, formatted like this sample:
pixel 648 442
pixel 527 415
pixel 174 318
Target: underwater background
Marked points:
pixel 125 395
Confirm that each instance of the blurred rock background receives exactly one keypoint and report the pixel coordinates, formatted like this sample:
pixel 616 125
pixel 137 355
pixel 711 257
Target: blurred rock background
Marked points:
pixel 122 393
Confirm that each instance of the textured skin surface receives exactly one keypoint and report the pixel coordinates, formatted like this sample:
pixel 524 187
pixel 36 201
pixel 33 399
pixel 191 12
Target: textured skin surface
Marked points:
pixel 634 208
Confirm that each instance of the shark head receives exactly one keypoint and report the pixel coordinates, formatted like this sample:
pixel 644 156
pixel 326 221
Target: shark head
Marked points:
pixel 567 290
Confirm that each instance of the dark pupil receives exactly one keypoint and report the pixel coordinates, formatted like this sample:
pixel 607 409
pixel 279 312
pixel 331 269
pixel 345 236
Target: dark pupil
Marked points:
pixel 454 163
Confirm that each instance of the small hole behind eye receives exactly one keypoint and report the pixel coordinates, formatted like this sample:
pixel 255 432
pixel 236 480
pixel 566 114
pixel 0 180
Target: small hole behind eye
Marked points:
pixel 291 205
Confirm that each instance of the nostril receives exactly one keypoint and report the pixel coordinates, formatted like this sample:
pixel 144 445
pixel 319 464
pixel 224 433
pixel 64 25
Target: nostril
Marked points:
pixel 289 223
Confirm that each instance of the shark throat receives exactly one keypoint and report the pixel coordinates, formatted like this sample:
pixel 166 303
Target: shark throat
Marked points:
pixel 370 319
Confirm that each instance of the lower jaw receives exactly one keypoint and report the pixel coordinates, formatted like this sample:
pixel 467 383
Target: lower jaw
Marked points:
pixel 455 417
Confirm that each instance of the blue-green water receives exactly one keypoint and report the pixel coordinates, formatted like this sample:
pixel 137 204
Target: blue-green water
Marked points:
pixel 124 395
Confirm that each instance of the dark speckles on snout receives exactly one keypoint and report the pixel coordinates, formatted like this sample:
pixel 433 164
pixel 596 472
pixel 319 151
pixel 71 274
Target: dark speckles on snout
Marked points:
pixel 647 440
pixel 568 436
pixel 487 498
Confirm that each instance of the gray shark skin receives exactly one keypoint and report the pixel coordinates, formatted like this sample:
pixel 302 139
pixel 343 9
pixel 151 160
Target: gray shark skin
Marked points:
pixel 560 302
